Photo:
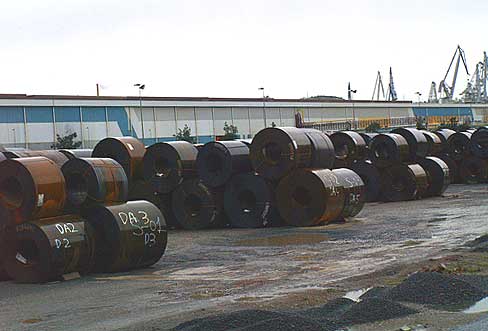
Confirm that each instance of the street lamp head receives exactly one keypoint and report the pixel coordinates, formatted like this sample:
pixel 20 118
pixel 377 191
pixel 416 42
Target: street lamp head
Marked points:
pixel 261 88
pixel 140 86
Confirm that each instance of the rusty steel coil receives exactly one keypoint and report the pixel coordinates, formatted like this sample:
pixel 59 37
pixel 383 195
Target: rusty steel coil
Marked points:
pixel 354 191
pixel 349 146
pixel 32 188
pixel 249 201
pixel 479 143
pixel 453 168
pixel 127 151
pixel 459 145
pixel 129 236
pixel 77 153
pixel 43 250
pixel 275 152
pixel 142 190
pixel 196 206
pixel 417 142
pixel 473 170
pixel 434 142
pixel 5 213
pixel 403 182
pixel 309 197
pixel 388 149
pixel 437 174
pixel 94 180
pixel 323 153
pixel 218 161
pixel 371 177
pixel 53 155
pixel 165 165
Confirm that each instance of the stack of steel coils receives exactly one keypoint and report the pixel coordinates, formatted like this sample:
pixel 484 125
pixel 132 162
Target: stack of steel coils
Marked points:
pixel 62 212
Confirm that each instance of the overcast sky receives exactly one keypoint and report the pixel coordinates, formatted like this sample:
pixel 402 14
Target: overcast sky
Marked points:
pixel 229 48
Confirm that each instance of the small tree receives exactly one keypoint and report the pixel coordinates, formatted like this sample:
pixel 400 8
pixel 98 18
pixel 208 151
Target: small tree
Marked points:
pixel 421 123
pixel 231 132
pixel 185 135
pixel 273 124
pixel 373 127
pixel 66 142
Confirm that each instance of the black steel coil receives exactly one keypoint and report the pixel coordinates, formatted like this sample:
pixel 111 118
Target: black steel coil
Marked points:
pixel 349 146
pixel 437 174
pixel 309 197
pixel 77 153
pixel 459 145
pixel 32 188
pixel 94 180
pixel 444 135
pixel 473 170
pixel 142 190
pixel 218 161
pixel 354 191
pixel 479 143
pixel 56 156
pixel 249 202
pixel 275 152
pixel 388 149
pixel 323 153
pixel 165 165
pixel 43 250
pixel 453 168
pixel 417 143
pixel 368 137
pixel 127 151
pixel 165 206
pixel 403 182
pixel 128 236
pixel 371 177
pixel 434 142
pixel 196 206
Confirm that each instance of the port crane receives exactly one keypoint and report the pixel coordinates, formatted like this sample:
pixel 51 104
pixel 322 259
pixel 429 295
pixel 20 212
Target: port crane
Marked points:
pixel 446 92
pixel 477 90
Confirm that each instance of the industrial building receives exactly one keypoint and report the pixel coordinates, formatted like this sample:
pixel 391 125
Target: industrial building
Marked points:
pixel 33 121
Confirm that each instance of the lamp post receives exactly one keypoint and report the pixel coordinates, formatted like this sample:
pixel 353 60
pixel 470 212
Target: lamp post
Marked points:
pixel 141 87
pixel 350 92
pixel 264 107
pixel 426 111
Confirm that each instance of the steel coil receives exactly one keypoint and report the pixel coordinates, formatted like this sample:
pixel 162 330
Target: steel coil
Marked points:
pixel 309 197
pixel 459 145
pixel 248 142
pixel 166 208
pixel 473 170
pixel 94 180
pixel 354 189
pixel 453 168
pixel 218 161
pixel 371 177
pixel 127 151
pixel 349 146
pixel 249 202
pixel 76 153
pixel 56 156
pixel 129 236
pixel 323 153
pixel 275 152
pixel 417 143
pixel 165 165
pixel 403 182
pixel 388 149
pixel 368 137
pixel 444 135
pixel 43 250
pixel 434 142
pixel 32 188
pixel 479 143
pixel 437 174
pixel 142 190
pixel 196 206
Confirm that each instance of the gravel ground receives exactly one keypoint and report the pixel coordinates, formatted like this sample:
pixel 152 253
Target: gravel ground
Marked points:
pixel 436 289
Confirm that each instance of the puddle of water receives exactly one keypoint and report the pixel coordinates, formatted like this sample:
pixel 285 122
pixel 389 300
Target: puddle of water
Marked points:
pixel 479 307
pixel 355 295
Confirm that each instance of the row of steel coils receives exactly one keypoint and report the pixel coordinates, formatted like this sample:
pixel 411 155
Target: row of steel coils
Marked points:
pixel 283 177
pixel 64 212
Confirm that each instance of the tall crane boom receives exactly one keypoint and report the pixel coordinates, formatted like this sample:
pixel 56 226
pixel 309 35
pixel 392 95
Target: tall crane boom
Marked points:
pixel 447 92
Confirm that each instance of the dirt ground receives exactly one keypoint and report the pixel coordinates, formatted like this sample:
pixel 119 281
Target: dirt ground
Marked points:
pixel 212 271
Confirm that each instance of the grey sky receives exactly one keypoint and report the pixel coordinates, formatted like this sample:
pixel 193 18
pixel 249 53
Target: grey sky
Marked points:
pixel 229 48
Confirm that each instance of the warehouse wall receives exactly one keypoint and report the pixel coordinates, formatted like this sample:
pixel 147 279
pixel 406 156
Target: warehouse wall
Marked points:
pixel 38 126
